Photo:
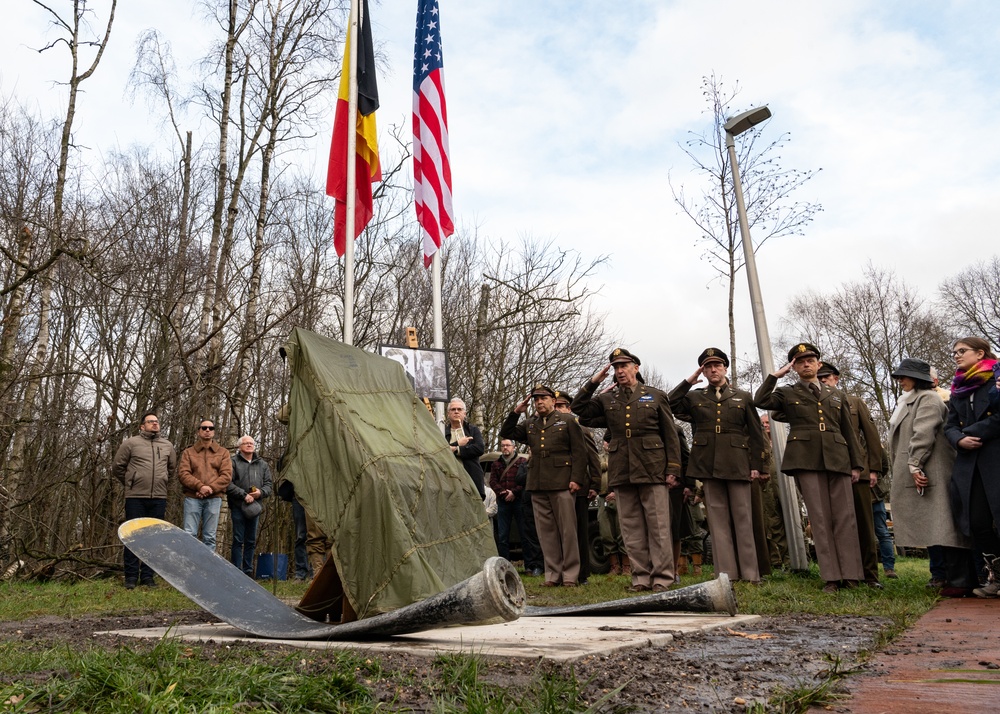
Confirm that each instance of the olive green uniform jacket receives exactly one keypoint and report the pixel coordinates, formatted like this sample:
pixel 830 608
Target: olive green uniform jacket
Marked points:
pixel 558 450
pixel 864 425
pixel 728 441
pixel 822 435
pixel 644 447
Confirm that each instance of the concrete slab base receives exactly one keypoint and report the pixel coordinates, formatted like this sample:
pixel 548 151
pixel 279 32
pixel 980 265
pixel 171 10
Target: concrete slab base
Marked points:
pixel 561 639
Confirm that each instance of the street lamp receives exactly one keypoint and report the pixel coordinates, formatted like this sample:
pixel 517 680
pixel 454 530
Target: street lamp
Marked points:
pixel 789 500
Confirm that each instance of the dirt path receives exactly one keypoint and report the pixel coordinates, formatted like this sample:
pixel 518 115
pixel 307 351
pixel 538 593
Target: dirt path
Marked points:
pixel 716 671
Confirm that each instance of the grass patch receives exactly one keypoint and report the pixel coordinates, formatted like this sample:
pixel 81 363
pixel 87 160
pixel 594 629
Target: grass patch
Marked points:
pixel 24 600
pixel 177 676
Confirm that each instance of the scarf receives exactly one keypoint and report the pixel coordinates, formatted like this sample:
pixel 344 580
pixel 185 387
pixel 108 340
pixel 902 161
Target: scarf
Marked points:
pixel 968 381
pixel 904 399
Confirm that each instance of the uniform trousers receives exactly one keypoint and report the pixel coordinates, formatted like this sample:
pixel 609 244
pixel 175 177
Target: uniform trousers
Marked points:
pixel 759 529
pixel 582 506
pixel 555 522
pixel 866 527
pixel 774 521
pixel 830 502
pixel 644 516
pixel 611 531
pixel 730 521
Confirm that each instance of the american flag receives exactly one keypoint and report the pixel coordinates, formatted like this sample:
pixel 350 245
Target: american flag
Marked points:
pixel 431 166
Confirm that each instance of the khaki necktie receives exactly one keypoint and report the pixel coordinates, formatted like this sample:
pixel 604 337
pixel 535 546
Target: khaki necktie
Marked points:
pixel 718 393
pixel 627 393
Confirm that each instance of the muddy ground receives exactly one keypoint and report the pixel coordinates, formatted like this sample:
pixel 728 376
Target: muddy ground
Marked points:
pixel 717 671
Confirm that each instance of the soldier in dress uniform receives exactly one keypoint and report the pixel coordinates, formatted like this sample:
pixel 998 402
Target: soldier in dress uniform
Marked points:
pixel 727 454
pixel 871 446
pixel 586 494
pixel 644 460
pixel 824 455
pixel 556 471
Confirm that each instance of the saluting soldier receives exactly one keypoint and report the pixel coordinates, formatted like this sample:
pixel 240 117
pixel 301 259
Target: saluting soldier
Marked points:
pixel 644 460
pixel 871 447
pixel 727 454
pixel 589 491
pixel 556 471
pixel 824 455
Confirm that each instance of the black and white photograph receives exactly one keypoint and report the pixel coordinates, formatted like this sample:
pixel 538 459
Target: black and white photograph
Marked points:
pixel 427 369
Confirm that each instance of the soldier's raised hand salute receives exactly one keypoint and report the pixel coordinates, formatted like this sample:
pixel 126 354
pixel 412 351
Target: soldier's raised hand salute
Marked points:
pixel 601 374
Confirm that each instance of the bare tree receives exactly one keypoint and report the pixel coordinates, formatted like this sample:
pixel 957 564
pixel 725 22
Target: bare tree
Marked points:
pixel 767 189
pixel 865 328
pixel 970 301
pixel 59 237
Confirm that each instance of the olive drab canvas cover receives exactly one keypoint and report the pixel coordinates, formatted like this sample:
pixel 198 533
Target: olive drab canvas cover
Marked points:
pixel 370 465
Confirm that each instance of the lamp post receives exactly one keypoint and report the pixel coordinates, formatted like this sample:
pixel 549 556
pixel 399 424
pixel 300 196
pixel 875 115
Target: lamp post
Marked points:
pixel 786 488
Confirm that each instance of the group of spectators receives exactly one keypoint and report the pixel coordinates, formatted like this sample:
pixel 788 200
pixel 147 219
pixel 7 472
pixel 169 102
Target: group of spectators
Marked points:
pixel 144 464
pixel 946 469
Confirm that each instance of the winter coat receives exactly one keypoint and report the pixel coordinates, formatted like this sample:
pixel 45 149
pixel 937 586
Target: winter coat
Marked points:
pixel 205 465
pixel 470 453
pixel 918 439
pixel 971 415
pixel 246 475
pixel 144 464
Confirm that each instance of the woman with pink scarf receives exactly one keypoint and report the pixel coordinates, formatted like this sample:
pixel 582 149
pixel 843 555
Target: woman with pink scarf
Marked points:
pixel 973 428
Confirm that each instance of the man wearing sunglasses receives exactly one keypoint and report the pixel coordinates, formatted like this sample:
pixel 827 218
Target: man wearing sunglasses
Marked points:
pixel 205 471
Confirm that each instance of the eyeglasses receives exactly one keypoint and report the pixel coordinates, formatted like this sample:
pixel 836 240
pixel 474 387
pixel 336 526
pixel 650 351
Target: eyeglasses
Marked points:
pixel 208 428
pixel 961 351
pixel 151 421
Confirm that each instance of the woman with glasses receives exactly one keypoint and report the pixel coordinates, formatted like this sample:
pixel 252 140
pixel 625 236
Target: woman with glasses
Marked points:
pixel 973 428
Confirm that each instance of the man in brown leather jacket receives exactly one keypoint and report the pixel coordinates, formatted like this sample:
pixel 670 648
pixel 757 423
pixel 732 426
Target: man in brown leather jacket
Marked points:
pixel 556 471
pixel 644 460
pixel 205 471
pixel 824 455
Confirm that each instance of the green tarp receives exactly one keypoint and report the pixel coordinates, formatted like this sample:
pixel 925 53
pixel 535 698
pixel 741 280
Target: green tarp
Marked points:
pixel 371 466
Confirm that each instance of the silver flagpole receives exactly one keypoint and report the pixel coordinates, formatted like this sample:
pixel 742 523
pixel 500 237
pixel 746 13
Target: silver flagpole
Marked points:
pixel 438 320
pixel 352 179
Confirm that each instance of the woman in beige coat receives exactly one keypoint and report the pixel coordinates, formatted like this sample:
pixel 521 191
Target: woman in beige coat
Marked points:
pixel 922 460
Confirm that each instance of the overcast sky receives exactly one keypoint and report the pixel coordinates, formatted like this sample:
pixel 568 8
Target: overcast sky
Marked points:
pixel 565 120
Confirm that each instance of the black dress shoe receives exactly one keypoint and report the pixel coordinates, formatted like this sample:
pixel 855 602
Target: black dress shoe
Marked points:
pixel 147 582
pixel 874 584
pixel 130 584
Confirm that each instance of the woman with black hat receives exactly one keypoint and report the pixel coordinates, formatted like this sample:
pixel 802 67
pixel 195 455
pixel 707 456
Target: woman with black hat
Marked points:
pixel 973 428
pixel 922 462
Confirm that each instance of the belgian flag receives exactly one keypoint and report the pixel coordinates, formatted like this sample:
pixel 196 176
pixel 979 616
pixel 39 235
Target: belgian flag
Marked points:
pixel 368 169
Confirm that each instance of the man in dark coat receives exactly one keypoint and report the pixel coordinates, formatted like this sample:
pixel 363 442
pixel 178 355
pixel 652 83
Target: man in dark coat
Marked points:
pixel 824 455
pixel 556 471
pixel 727 454
pixel 644 461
